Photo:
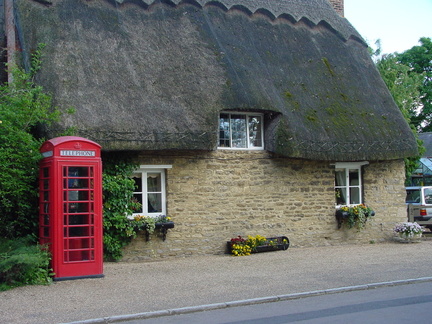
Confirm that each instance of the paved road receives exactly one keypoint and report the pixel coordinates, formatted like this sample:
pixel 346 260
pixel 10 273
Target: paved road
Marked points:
pixel 400 304
pixel 131 288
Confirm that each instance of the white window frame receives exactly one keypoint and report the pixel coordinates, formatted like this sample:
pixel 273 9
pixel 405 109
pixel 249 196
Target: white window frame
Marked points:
pixel 347 166
pixel 144 170
pixel 247 114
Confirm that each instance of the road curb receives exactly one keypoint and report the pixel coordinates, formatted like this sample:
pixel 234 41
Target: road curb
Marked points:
pixel 245 302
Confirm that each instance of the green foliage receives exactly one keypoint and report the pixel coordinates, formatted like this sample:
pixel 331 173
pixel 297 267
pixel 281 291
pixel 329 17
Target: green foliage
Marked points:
pixel 23 106
pixel 22 263
pixel 148 223
pixel 419 60
pixel 357 215
pixel 118 190
pixel 404 86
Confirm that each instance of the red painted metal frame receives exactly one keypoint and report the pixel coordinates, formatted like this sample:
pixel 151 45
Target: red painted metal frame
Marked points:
pixel 70 202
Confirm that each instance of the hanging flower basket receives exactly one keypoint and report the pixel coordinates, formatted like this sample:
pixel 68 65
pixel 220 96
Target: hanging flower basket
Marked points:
pixel 240 246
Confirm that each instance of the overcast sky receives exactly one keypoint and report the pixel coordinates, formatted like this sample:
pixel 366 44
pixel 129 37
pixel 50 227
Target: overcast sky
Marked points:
pixel 398 23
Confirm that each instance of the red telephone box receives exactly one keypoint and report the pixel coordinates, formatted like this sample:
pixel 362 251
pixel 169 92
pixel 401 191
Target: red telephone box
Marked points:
pixel 70 203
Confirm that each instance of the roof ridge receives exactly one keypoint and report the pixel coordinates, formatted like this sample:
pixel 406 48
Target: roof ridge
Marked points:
pixel 298 10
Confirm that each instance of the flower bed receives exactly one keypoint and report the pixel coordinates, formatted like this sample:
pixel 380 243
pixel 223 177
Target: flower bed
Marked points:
pixel 239 246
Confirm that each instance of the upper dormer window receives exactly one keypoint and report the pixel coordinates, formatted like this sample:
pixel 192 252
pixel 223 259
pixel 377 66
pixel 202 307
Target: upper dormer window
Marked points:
pixel 241 131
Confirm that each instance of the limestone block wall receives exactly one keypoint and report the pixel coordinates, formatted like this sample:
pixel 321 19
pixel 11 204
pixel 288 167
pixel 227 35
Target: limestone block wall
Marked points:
pixel 214 196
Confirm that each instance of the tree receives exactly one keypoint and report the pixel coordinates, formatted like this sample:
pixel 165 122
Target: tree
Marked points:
pixel 419 59
pixel 23 106
pixel 404 86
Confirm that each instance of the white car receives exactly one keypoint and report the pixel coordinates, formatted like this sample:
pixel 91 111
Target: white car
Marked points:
pixel 419 202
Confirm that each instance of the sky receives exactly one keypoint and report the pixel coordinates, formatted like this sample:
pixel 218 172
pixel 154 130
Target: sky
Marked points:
pixel 399 24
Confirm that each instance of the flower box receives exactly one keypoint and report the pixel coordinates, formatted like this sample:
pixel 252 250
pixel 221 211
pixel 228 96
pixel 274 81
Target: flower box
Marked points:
pixel 353 215
pixel 165 225
pixel 149 224
pixel 163 228
pixel 270 244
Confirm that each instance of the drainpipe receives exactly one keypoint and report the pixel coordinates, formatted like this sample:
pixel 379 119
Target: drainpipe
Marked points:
pixel 10 36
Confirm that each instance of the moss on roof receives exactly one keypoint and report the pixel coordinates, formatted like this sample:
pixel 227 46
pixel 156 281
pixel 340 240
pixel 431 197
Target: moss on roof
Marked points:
pixel 154 75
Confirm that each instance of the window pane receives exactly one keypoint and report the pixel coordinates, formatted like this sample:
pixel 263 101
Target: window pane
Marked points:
pixel 154 202
pixel 340 178
pixel 138 183
pixel 355 195
pixel 354 177
pixel 154 182
pixel 238 128
pixel 224 130
pixel 413 196
pixel 428 196
pixel 341 196
pixel 139 198
pixel 255 124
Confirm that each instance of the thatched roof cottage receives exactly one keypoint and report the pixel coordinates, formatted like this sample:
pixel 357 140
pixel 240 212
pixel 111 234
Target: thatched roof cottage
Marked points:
pixel 246 115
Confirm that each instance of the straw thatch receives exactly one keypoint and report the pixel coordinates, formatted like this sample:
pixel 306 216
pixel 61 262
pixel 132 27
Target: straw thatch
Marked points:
pixel 154 75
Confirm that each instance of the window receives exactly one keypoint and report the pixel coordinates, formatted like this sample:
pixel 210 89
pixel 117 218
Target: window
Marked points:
pixel 348 183
pixel 150 189
pixel 241 131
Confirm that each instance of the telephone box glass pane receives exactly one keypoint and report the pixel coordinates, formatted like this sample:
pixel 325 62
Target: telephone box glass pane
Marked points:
pixel 78 219
pixel 77 244
pixel 79 231
pixel 77 208
pixel 46 208
pixel 78 183
pixel 78 195
pixel 78 172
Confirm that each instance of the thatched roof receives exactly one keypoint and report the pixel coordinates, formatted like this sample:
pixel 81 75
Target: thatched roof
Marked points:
pixel 154 75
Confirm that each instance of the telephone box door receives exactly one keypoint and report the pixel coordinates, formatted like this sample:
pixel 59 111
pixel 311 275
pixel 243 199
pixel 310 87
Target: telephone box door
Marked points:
pixel 71 207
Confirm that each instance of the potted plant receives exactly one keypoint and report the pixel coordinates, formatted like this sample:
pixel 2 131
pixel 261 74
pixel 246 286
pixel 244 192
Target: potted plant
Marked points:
pixel 408 231
pixel 354 216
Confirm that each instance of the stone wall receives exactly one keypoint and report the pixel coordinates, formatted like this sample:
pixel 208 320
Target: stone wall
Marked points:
pixel 214 196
